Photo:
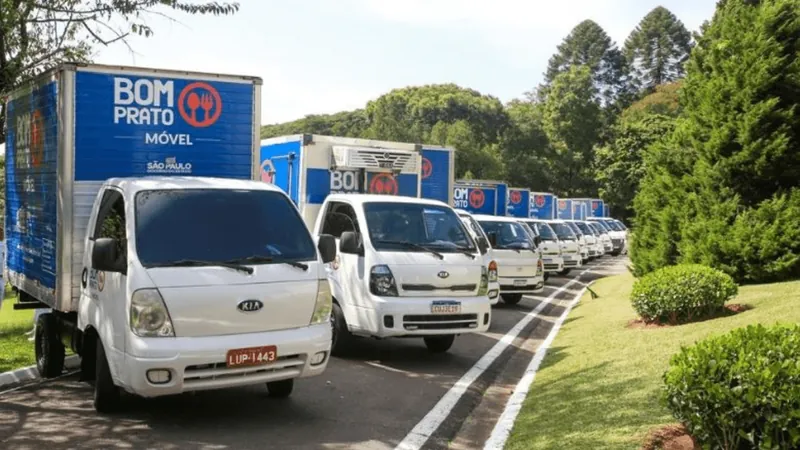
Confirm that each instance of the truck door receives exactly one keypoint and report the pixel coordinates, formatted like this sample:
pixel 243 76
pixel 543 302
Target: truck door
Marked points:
pixel 106 291
pixel 347 272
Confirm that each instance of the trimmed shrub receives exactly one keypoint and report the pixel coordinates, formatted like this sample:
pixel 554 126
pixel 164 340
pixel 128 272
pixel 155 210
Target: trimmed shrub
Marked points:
pixel 740 390
pixel 680 293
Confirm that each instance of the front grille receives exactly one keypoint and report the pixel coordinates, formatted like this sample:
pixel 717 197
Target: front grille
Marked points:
pixel 197 376
pixel 570 263
pixel 430 287
pixel 439 321
pixel 510 288
pixel 551 267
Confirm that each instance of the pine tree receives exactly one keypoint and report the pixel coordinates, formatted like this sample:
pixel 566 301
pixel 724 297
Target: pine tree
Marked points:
pixel 657 49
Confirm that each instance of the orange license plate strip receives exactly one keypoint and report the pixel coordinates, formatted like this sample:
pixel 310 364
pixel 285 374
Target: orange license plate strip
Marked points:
pixel 251 356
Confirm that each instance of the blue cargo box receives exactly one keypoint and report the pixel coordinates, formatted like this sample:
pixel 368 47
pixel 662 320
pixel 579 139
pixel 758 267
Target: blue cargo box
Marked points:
pixel 598 208
pixel 310 167
pixel 519 202
pixel 438 173
pixel 565 209
pixel 76 126
pixel 543 206
pixel 481 196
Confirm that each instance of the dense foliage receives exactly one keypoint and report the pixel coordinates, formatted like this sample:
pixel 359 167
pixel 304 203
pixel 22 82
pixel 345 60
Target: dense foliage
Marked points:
pixel 681 293
pixel 722 190
pixel 740 390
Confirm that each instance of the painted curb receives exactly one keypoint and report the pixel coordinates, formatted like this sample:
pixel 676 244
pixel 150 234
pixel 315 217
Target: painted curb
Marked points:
pixel 30 373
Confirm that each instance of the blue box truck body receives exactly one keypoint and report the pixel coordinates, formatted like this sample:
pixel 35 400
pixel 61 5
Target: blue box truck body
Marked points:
pixel 519 202
pixel 78 125
pixel 438 173
pixel 598 208
pixel 564 208
pixel 481 197
pixel 543 205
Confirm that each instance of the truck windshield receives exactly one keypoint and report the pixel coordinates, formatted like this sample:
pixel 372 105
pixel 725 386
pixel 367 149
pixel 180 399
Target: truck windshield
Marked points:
pixel 546 232
pixel 597 230
pixel 510 235
pixel 408 227
pixel 585 228
pixel 601 226
pixel 217 226
pixel 612 225
pixel 575 228
pixel 562 230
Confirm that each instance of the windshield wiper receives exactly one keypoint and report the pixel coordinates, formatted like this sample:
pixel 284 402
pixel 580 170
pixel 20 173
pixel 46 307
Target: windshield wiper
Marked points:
pixel 258 259
pixel 409 244
pixel 201 263
pixel 465 251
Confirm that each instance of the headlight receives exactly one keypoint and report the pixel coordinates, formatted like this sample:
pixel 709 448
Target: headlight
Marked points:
pixel 484 288
pixel 324 303
pixel 492 271
pixel 149 316
pixel 381 281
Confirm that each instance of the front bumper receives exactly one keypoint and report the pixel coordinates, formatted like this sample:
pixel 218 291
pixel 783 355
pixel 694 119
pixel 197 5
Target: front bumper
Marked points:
pixel 412 316
pixel 553 263
pixel 514 285
pixel 572 260
pixel 199 363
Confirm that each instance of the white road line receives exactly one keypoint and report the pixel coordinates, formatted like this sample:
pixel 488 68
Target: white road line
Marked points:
pixel 428 425
pixel 502 429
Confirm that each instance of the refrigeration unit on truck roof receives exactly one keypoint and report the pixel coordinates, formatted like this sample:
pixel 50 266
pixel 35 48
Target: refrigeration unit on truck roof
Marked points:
pixel 519 200
pixel 310 167
pixel 77 125
pixel 564 209
pixel 543 205
pixel 481 196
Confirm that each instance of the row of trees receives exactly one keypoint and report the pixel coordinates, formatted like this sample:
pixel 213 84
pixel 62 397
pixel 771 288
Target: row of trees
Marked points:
pixel 576 134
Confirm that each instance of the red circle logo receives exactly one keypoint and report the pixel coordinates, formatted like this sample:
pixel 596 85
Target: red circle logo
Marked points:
pixel 37 138
pixel 562 204
pixel 516 197
pixel 477 198
pixel 383 183
pixel 198 100
pixel 595 205
pixel 539 200
pixel 427 168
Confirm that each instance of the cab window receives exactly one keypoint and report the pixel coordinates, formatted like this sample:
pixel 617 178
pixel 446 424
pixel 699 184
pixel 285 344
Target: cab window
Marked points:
pixel 339 217
pixel 111 219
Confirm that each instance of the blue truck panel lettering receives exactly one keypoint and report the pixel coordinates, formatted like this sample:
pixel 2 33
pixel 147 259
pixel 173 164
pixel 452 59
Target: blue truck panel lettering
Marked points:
pixel 131 125
pixel 321 182
pixel 543 206
pixel 477 200
pixel 519 203
pixel 280 165
pixel 436 174
pixel 564 209
pixel 31 185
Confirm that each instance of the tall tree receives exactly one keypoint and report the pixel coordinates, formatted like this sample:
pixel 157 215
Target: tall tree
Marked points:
pixel 657 49
pixel 525 148
pixel 589 45
pixel 36 35
pixel 572 121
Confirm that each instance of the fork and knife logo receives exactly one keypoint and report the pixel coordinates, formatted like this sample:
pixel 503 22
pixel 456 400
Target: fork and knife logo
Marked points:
pixel 201 100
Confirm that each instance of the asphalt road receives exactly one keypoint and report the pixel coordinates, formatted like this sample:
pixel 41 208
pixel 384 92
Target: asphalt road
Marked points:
pixel 372 399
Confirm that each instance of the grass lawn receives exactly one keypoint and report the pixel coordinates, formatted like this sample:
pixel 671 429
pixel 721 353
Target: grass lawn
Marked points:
pixel 15 349
pixel 600 383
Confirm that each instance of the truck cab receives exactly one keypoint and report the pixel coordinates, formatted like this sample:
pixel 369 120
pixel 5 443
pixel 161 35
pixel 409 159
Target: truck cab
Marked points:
pixel 520 269
pixel 584 246
pixel 570 247
pixel 486 249
pixel 406 267
pixel 552 256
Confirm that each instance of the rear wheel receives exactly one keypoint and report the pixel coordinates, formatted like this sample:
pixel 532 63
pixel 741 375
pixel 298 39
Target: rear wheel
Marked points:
pixel 48 347
pixel 564 272
pixel 341 335
pixel 546 276
pixel 107 398
pixel 439 344
pixel 280 389
pixel 511 299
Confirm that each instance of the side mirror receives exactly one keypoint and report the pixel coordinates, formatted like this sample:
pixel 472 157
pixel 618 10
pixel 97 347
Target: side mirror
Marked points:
pixel 105 256
pixel 492 238
pixel 327 247
pixel 483 245
pixel 349 243
pixel 537 240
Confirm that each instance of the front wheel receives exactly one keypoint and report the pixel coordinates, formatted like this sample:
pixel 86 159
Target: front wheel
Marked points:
pixel 439 344
pixel 511 299
pixel 107 398
pixel 341 335
pixel 280 389
pixel 546 276
pixel 49 350
pixel 564 272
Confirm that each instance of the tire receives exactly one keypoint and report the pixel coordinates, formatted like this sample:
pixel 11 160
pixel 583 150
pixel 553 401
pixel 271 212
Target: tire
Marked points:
pixel 341 339
pixel 48 347
pixel 439 344
pixel 546 276
pixel 564 272
pixel 511 299
pixel 107 398
pixel 280 389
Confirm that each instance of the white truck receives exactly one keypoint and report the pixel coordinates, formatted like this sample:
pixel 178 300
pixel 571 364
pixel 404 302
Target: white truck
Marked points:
pixel 486 250
pixel 552 255
pixel 407 266
pixel 133 219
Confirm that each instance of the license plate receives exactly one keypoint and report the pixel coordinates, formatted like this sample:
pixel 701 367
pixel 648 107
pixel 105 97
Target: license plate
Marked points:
pixel 520 282
pixel 251 356
pixel 445 307
pixel 548 260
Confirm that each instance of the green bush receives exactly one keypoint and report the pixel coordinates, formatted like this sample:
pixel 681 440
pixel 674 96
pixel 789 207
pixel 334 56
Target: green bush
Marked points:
pixel 740 390
pixel 683 292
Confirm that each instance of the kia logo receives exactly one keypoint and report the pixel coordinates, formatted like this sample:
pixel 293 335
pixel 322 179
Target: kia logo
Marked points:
pixel 250 305
pixel 443 274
